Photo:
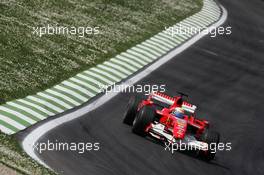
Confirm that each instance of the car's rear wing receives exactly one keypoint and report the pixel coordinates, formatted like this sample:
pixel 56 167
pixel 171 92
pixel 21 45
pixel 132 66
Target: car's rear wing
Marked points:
pixel 170 101
pixel 188 107
pixel 163 98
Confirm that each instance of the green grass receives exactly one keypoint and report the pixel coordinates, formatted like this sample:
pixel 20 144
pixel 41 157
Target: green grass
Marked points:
pixel 12 156
pixel 29 63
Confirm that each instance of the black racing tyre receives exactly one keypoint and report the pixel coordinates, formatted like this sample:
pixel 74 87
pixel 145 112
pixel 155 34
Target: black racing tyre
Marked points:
pixel 131 110
pixel 144 117
pixel 212 138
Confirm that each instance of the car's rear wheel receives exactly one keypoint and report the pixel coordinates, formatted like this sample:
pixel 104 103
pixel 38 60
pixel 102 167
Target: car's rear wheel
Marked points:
pixel 144 118
pixel 131 110
pixel 212 138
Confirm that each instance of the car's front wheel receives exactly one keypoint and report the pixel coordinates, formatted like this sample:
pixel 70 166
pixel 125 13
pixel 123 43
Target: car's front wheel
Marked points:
pixel 144 118
pixel 131 110
pixel 212 139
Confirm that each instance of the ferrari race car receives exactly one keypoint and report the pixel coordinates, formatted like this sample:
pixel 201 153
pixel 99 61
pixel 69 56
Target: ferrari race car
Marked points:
pixel 171 120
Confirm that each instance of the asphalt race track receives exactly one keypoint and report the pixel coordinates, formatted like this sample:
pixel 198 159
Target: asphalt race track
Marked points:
pixel 224 76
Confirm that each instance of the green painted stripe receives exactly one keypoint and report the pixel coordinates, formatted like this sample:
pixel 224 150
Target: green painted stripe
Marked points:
pixel 193 23
pixel 201 16
pixel 133 59
pixel 165 40
pixel 51 102
pixel 209 12
pixel 22 112
pixel 129 69
pixel 76 91
pixel 201 21
pixel 13 117
pixel 156 49
pixel 152 51
pixel 179 38
pixel 111 73
pixel 162 43
pixel 127 73
pixel 111 79
pixel 169 37
pixel 156 44
pixel 7 125
pixel 212 14
pixel 78 88
pixel 83 86
pixel 31 107
pixel 115 70
pixel 175 37
pixel 141 58
pixel 98 79
pixel 125 60
pixel 60 98
pixel 143 52
pixel 88 82
pixel 40 104
pixel 67 94
pixel 187 23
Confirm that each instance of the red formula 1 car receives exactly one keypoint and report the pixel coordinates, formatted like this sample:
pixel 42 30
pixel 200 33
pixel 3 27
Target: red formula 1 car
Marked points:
pixel 171 120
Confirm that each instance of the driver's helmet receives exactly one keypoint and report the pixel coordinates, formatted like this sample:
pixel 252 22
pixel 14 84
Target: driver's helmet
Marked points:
pixel 178 112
